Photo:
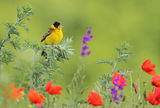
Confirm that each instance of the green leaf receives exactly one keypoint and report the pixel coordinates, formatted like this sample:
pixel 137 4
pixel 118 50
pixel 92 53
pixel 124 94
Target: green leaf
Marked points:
pixel 105 61
pixel 23 25
pixel 12 29
pixel 24 14
pixel 7 56
pixel 15 42
pixel 21 75
pixel 33 45
pixel 75 88
pixel 60 52
pixel 1 40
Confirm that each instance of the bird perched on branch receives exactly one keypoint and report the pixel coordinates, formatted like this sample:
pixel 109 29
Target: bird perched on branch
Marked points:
pixel 53 36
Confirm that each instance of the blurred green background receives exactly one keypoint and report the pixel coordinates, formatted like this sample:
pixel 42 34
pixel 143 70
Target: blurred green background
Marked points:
pixel 112 22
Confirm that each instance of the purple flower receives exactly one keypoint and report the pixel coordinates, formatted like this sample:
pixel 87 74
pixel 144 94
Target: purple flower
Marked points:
pixel 116 81
pixel 117 102
pixel 89 32
pixel 91 36
pixel 85 47
pixel 117 87
pixel 115 98
pixel 120 88
pixel 85 39
pixel 113 91
pixel 88 53
pixel 82 53
pixel 122 76
pixel 121 95
pixel 42 106
pixel 123 82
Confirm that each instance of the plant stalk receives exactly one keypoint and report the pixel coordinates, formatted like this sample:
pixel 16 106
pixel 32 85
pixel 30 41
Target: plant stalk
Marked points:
pixel 2 45
pixel 34 59
pixel 131 89
pixel 6 38
pixel 114 66
pixel 0 63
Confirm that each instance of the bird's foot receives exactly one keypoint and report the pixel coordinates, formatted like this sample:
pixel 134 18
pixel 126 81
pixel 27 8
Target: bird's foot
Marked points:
pixel 56 46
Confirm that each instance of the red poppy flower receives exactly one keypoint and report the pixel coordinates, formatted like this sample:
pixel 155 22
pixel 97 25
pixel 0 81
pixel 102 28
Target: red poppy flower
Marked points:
pixel 11 92
pixel 154 98
pixel 36 97
pixel 148 67
pixel 155 81
pixel 53 89
pixel 94 99
pixel 15 93
pixel 121 79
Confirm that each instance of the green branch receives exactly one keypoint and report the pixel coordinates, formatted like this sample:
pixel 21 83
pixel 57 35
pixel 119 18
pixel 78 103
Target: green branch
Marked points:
pixel 122 55
pixel 23 14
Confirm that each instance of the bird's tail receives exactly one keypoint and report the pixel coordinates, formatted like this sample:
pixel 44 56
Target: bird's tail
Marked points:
pixel 43 53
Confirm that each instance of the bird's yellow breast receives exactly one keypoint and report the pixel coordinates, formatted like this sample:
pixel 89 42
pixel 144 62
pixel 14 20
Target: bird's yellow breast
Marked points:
pixel 54 38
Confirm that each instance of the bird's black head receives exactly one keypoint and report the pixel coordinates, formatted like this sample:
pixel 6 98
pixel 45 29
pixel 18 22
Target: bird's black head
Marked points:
pixel 56 24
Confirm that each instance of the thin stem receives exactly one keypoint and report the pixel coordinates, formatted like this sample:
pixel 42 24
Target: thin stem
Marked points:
pixel 2 45
pixel 114 66
pixel 7 36
pixel 53 101
pixel 48 102
pixel 0 63
pixel 139 77
pixel 34 59
pixel 131 89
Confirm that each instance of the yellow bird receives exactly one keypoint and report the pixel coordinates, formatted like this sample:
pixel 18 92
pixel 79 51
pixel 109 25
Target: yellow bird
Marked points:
pixel 53 36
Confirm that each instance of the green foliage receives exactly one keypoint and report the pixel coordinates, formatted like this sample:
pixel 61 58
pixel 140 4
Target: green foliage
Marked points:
pixel 7 56
pixel 122 55
pixel 15 42
pixel 22 74
pixel 11 29
pixel 45 67
pixel 61 52
pixel 40 76
pixel 103 86
pixel 104 83
pixel 32 45
pixel 66 49
pixel 105 61
pixel 1 40
pixel 123 52
pixel 23 15
pixel 75 90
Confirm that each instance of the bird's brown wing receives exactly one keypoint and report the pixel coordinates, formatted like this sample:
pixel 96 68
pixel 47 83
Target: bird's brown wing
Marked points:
pixel 45 35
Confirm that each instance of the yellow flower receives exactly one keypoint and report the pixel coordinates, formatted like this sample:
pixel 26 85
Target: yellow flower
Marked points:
pixel 30 106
